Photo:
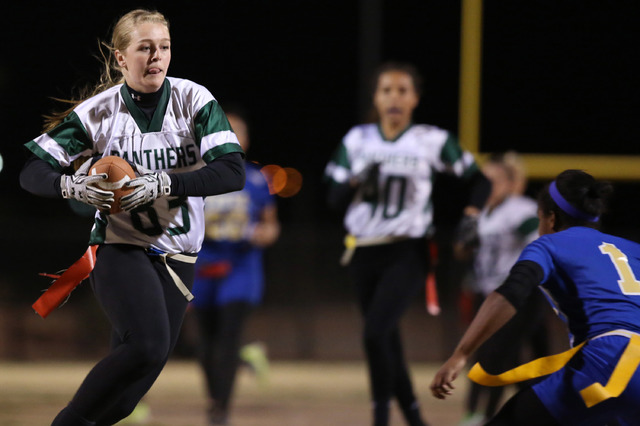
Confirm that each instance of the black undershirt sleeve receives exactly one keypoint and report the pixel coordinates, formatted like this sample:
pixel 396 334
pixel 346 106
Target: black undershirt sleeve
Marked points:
pixel 523 278
pixel 224 174
pixel 339 195
pixel 480 190
pixel 40 178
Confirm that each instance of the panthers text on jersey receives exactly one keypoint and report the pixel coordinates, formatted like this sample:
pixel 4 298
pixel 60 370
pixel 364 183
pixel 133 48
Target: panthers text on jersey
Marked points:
pixel 187 130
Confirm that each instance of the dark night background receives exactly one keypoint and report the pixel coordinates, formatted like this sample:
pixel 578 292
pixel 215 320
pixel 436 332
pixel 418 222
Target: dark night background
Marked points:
pixel 558 77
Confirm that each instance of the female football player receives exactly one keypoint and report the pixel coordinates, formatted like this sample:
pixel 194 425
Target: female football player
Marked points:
pixel 229 275
pixel 591 277
pixel 178 139
pixel 384 171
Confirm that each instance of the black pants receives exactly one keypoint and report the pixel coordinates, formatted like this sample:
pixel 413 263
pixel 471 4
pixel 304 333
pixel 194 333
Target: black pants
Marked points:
pixel 146 310
pixel 220 339
pixel 387 278
pixel 524 409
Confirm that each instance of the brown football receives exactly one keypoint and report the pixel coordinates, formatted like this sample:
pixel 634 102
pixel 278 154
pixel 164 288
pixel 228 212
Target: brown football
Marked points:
pixel 119 172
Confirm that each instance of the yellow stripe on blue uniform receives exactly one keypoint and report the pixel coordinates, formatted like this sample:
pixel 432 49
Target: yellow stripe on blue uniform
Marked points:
pixel 531 370
pixel 624 370
pixel 592 395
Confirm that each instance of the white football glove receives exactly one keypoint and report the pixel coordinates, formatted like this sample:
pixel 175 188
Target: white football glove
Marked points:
pixel 79 186
pixel 148 186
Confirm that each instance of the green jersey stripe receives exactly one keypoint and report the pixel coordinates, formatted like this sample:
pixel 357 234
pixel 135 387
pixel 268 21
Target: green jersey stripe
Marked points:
pixel 340 157
pixel 71 135
pixel 451 150
pixel 528 226
pixel 384 138
pixel 210 119
pixel 220 150
pixel 99 231
pixel 158 116
pixel 144 124
pixel 44 155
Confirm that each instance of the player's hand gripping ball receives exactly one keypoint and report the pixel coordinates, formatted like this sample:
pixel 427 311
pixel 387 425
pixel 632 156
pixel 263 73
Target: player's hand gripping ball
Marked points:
pixel 119 172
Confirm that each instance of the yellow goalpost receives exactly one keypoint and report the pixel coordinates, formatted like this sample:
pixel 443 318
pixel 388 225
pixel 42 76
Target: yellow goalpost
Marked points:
pixel 538 165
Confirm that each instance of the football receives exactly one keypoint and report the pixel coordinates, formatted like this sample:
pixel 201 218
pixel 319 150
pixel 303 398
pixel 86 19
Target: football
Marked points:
pixel 119 172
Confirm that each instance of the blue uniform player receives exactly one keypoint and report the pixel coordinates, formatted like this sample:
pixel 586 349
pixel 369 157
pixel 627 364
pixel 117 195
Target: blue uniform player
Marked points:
pixel 591 278
pixel 229 274
pixel 229 266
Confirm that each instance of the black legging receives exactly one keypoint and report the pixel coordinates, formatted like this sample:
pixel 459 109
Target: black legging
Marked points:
pixel 502 351
pixel 220 338
pixel 387 279
pixel 523 409
pixel 145 309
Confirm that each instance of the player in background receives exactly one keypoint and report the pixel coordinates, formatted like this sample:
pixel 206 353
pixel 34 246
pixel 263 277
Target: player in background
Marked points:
pixel 183 149
pixel 506 225
pixel 538 338
pixel 591 277
pixel 383 174
pixel 230 277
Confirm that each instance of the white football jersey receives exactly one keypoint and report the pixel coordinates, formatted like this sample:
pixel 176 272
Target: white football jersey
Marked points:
pixel 504 232
pixel 402 206
pixel 187 130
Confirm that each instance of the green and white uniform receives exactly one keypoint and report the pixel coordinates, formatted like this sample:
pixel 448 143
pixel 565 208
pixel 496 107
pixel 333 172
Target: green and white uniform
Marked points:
pixel 402 206
pixel 187 130
pixel 504 232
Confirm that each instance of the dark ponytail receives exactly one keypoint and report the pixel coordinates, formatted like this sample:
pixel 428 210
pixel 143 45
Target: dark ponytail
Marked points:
pixel 580 199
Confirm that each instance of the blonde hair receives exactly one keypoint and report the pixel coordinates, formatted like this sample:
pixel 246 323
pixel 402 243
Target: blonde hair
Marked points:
pixel 519 171
pixel 111 74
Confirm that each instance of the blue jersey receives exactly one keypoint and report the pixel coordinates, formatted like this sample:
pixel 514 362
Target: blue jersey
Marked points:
pixel 592 278
pixel 236 264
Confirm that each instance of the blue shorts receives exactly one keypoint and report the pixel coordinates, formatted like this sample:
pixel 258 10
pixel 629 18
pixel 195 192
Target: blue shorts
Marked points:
pixel 243 283
pixel 560 391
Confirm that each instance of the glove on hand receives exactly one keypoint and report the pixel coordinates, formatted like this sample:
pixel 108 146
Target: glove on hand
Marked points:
pixel 148 186
pixel 467 232
pixel 79 186
pixel 368 180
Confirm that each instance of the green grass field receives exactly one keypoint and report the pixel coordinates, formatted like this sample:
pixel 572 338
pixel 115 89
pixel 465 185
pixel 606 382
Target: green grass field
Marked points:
pixel 295 394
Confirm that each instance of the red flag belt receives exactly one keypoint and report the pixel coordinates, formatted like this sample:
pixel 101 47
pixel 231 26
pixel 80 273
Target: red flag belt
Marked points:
pixel 65 283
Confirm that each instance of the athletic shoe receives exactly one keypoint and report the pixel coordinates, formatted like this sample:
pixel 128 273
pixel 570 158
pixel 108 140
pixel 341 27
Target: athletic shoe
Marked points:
pixel 255 355
pixel 140 415
pixel 473 419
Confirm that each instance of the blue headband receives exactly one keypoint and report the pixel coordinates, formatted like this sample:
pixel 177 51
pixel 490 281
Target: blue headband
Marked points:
pixel 566 206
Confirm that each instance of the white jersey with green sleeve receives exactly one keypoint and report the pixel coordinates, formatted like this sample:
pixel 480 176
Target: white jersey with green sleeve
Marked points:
pixel 402 206
pixel 504 232
pixel 187 130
